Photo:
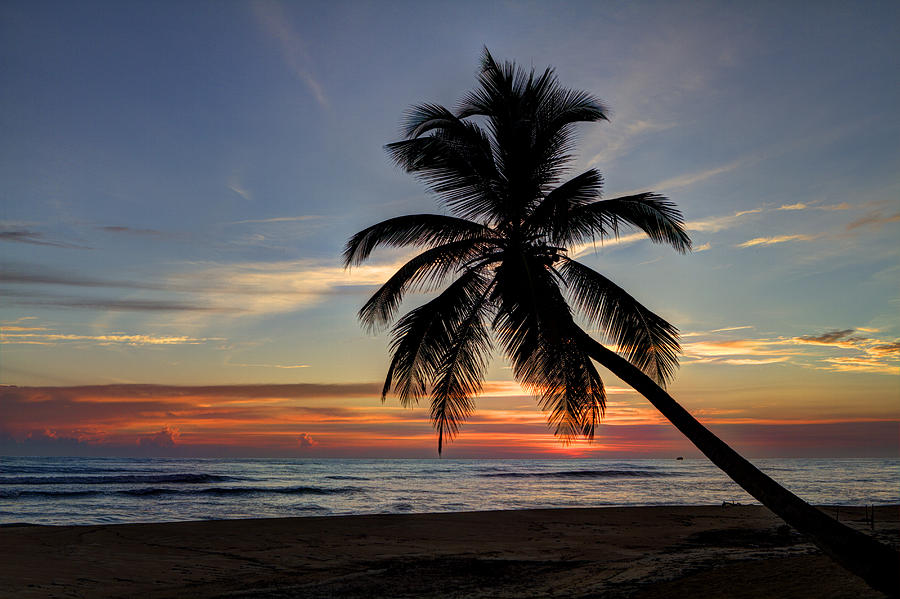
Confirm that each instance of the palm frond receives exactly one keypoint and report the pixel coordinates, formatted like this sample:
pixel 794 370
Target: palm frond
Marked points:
pixel 655 215
pixel 461 371
pixel 500 85
pixel 536 329
pixel 465 180
pixel 646 340
pixel 414 229
pixel 517 299
pixel 551 217
pixel 510 98
pixel 454 157
pixel 530 118
pixel 570 390
pixel 422 337
pixel 569 106
pixel 424 272
pixel 558 112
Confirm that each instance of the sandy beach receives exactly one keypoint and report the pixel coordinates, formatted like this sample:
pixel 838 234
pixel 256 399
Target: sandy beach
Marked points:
pixel 735 551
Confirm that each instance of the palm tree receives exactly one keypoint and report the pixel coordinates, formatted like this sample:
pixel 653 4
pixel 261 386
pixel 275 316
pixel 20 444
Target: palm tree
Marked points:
pixel 497 164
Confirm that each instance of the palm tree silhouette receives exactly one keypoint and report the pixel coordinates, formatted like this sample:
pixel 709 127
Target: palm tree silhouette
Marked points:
pixel 497 164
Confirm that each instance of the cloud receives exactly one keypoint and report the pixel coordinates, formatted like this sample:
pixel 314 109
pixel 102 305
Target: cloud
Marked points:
pixel 813 206
pixel 16 327
pixel 873 219
pixel 278 219
pixel 619 139
pixel 797 206
pixel 702 248
pixel 775 239
pixel 514 389
pixel 128 305
pixel 827 338
pixel 142 392
pixel 271 17
pixel 861 364
pixel 689 334
pixel 590 247
pixel 639 126
pixel 288 366
pixel 167 437
pixel 48 338
pixel 737 328
pixel 841 338
pixel 753 362
pixel 41 275
pixel 871 355
pixel 129 230
pixel 305 441
pixel 887 348
pixel 46 442
pixel 734 347
pixel 688 179
pixel 236 187
pixel 35 238
pixel 276 287
pixel 719 223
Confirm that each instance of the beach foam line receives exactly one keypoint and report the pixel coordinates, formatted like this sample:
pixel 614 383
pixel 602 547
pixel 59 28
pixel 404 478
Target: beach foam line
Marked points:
pixel 581 474
pixel 184 478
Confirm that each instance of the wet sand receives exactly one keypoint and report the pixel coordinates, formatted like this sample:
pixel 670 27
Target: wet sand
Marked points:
pixel 640 552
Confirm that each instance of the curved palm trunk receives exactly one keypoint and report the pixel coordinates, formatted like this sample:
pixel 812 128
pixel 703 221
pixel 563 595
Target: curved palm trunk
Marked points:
pixel 876 563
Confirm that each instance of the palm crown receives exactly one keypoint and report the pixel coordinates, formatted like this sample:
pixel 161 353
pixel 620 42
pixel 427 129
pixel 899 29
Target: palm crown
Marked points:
pixel 498 163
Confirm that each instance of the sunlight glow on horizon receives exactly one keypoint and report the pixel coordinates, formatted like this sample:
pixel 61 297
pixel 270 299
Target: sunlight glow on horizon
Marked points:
pixel 163 421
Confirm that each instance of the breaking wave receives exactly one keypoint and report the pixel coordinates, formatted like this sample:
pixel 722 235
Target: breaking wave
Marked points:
pixel 160 491
pixel 126 479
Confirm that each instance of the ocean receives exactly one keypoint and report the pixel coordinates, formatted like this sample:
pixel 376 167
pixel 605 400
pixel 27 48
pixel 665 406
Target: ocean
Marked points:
pixel 125 490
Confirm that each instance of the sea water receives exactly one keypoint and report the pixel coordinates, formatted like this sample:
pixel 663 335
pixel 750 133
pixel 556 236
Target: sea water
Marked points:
pixel 121 490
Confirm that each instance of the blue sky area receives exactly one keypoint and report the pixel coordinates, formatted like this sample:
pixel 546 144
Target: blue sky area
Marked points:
pixel 177 181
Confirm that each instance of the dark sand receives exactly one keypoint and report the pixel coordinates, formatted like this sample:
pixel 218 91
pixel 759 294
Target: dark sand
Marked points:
pixel 655 552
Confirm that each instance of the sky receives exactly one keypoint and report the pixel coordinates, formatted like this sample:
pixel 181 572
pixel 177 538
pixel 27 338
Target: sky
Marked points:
pixel 178 179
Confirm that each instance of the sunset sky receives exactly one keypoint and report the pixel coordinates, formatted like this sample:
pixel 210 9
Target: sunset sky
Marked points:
pixel 178 179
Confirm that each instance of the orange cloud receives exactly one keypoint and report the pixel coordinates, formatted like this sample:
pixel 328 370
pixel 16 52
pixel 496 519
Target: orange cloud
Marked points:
pixel 305 440
pixel 319 420
pixel 862 364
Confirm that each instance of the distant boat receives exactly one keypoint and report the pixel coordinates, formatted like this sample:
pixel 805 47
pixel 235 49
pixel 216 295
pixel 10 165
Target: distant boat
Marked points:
pixel 679 458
